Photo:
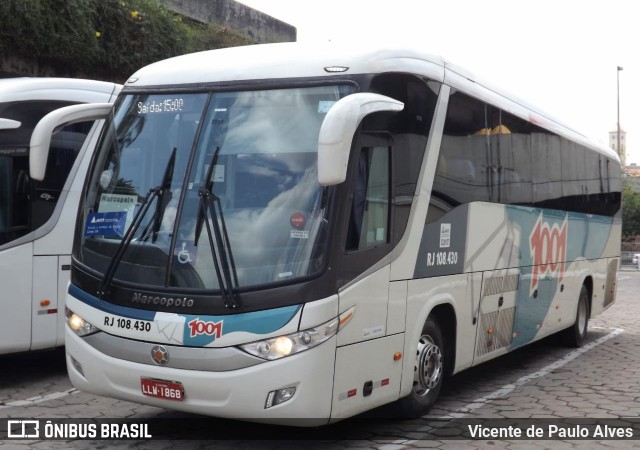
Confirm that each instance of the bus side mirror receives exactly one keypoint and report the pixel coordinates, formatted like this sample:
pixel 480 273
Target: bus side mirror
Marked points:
pixel 9 124
pixel 338 128
pixel 51 123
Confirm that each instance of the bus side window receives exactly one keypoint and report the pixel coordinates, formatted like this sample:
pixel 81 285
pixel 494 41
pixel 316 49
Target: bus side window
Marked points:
pixel 462 174
pixel 5 182
pixel 369 222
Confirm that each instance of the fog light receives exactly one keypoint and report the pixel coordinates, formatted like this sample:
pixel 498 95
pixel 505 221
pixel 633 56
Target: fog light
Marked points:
pixel 280 396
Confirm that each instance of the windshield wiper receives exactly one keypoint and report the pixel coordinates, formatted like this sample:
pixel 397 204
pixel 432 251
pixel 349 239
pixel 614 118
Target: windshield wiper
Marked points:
pixel 154 193
pixel 218 238
pixel 163 198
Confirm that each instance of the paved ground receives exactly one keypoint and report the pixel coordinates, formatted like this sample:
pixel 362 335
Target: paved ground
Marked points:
pixel 537 387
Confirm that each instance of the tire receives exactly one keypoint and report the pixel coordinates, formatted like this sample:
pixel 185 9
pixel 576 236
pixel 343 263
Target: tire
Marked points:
pixel 429 372
pixel 575 335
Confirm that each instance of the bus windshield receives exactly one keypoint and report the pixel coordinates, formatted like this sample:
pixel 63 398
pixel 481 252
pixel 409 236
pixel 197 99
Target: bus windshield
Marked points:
pixel 230 179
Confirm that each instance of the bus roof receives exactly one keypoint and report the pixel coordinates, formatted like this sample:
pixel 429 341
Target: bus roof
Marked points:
pixel 63 89
pixel 282 60
pixel 296 60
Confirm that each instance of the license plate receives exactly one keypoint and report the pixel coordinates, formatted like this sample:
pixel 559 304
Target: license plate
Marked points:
pixel 168 390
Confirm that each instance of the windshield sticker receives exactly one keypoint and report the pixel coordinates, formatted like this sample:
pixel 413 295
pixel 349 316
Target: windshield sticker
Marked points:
pixel 107 224
pixel 186 252
pixel 218 172
pixel 297 220
pixel 299 234
pixel 325 105
pixel 445 235
pixel 285 274
pixel 118 203
pixel 168 105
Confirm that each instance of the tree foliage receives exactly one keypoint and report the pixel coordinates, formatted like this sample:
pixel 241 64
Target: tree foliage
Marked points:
pixel 630 210
pixel 105 39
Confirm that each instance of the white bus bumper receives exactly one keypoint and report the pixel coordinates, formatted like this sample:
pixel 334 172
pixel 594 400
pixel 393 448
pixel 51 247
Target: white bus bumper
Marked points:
pixel 235 394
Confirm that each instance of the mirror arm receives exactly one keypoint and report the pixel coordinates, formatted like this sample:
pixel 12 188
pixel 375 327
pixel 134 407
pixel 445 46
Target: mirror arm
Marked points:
pixel 49 124
pixel 338 128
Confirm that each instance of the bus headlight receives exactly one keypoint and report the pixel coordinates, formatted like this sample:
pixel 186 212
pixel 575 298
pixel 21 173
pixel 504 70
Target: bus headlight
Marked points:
pixel 79 326
pixel 290 344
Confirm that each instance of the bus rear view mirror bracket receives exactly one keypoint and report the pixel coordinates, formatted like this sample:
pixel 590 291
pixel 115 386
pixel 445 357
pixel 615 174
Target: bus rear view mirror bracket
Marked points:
pixel 338 128
pixel 49 124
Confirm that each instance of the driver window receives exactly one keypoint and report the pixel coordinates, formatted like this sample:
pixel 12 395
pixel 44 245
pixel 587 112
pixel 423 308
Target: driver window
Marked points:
pixel 369 222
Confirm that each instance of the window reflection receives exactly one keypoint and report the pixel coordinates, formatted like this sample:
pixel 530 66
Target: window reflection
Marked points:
pixel 263 145
pixel 266 183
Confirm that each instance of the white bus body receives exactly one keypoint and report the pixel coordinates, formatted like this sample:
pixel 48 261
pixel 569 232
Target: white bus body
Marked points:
pixel 294 234
pixel 37 216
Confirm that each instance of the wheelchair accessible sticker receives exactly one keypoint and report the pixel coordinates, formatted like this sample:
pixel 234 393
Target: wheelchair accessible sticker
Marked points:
pixel 106 224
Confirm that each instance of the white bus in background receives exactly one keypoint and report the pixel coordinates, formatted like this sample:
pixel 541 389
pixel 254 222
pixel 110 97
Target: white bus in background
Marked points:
pixel 280 233
pixel 37 211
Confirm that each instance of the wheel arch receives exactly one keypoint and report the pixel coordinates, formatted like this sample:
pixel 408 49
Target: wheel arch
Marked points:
pixel 445 315
pixel 588 283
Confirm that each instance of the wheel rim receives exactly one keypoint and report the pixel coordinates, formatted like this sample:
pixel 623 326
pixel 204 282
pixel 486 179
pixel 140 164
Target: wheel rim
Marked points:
pixel 428 366
pixel 582 317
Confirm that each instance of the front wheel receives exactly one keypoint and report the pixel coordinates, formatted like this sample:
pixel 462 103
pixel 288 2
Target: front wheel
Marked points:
pixel 575 335
pixel 428 372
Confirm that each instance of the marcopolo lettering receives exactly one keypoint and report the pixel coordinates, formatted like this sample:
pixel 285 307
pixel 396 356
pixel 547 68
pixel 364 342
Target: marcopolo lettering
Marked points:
pixel 117 199
pixel 183 302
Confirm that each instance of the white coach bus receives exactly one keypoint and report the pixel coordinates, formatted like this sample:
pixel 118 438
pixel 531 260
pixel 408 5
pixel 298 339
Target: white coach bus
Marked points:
pixel 276 233
pixel 38 210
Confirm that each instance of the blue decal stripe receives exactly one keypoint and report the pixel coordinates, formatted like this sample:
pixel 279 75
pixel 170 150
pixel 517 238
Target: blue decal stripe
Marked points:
pixel 261 322
pixel 257 322
pixel 123 311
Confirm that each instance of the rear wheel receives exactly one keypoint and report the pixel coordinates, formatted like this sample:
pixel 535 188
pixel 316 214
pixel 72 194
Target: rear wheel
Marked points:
pixel 575 335
pixel 428 372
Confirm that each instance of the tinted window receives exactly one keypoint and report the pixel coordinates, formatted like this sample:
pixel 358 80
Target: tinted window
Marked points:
pixel 490 155
pixel 511 159
pixel 24 203
pixel 409 129
pixel 463 172
pixel 546 169
pixel 369 223
pixel 5 188
pixel 65 147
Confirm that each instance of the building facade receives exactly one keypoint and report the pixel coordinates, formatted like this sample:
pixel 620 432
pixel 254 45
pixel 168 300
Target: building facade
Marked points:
pixel 613 143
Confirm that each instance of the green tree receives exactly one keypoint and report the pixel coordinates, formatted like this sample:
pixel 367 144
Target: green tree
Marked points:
pixel 103 39
pixel 630 210
pixel 56 30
